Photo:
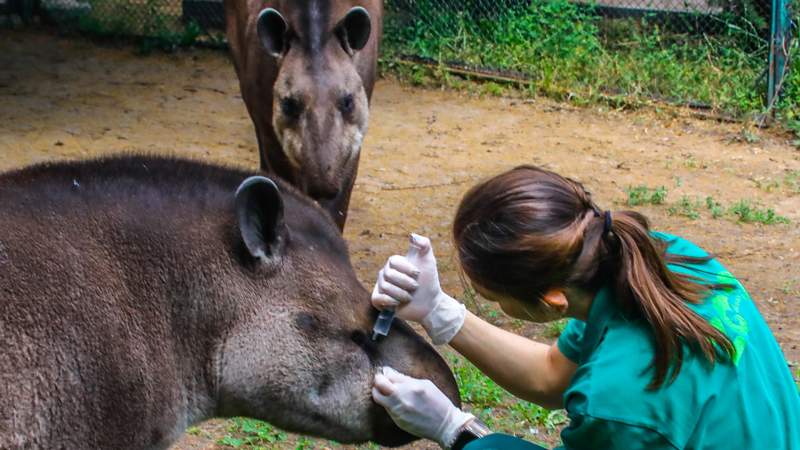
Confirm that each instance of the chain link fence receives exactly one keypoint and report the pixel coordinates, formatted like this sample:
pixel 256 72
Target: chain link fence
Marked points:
pixel 167 22
pixel 706 53
pixel 720 54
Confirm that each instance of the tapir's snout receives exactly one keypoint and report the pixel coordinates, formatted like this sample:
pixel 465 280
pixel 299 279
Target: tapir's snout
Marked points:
pixel 328 192
pixel 407 352
pixel 321 189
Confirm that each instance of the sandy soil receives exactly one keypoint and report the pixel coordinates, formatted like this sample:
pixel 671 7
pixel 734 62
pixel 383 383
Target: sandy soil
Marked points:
pixel 64 99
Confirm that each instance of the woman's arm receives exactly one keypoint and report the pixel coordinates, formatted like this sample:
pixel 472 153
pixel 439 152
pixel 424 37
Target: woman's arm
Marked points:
pixel 528 369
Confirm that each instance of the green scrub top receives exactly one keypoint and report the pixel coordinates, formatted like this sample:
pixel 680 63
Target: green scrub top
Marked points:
pixel 749 402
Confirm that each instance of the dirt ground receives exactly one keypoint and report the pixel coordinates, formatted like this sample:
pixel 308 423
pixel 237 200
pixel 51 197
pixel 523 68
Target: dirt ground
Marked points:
pixel 65 98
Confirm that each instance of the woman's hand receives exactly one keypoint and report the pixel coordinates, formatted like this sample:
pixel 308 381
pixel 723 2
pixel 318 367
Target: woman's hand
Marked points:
pixel 418 406
pixel 534 371
pixel 411 284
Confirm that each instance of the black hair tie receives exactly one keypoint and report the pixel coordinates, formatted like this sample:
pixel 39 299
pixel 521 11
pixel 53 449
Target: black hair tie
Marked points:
pixel 608 225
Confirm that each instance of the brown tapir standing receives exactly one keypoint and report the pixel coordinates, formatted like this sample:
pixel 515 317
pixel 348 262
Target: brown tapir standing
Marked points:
pixel 306 71
pixel 141 295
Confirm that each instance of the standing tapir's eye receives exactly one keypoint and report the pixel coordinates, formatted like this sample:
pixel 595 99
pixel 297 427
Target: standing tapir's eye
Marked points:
pixel 291 107
pixel 346 104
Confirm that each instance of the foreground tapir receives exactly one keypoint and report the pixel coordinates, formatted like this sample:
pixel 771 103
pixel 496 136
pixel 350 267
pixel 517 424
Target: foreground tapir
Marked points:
pixel 306 71
pixel 140 295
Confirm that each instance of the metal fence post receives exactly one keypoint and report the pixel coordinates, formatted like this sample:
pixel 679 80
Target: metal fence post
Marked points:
pixel 779 49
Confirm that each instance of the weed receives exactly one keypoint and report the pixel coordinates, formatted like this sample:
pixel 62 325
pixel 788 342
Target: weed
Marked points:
pixel 251 432
pixel 792 181
pixel 195 431
pixel 766 184
pixel 304 443
pixel 749 137
pixel 749 212
pixel 715 207
pixel 499 409
pixel 643 195
pixel 493 89
pixel 690 162
pixel 685 207
pixel 475 387
pixel 555 328
pixel 230 441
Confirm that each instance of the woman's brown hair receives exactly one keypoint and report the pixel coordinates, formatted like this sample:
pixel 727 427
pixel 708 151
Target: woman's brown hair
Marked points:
pixel 530 230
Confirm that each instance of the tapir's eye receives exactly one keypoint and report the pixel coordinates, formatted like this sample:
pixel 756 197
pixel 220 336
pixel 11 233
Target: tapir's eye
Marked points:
pixel 346 104
pixel 291 107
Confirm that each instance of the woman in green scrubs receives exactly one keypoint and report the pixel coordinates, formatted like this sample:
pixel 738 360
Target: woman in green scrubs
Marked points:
pixel 665 349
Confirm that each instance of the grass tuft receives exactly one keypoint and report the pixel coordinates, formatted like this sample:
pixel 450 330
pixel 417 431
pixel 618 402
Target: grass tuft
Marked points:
pixel 643 195
pixel 715 208
pixel 555 328
pixel 749 212
pixel 499 409
pixel 685 207
pixel 243 432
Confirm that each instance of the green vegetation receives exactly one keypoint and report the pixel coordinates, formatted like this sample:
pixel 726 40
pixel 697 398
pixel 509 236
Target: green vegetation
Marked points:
pixel 715 208
pixel 152 24
pixel 249 432
pixel 643 195
pixel 745 211
pixel 690 162
pixel 685 207
pixel 555 328
pixel 749 212
pixel 498 408
pixel 791 181
pixel 568 52
pixel 768 185
pixel 475 388
pixel 789 107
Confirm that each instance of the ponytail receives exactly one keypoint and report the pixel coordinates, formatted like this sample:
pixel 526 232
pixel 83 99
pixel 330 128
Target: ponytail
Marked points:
pixel 645 284
pixel 533 221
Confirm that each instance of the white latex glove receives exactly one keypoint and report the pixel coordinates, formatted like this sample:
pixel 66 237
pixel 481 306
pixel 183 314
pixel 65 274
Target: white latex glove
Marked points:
pixel 418 406
pixel 411 284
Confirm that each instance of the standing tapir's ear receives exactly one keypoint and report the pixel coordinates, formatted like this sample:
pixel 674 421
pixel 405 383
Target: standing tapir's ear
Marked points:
pixel 354 29
pixel 272 29
pixel 259 208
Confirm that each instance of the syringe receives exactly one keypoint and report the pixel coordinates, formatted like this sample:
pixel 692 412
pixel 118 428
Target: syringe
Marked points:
pixel 386 316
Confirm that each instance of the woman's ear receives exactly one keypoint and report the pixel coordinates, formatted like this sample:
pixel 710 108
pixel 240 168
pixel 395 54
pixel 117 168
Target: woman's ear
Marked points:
pixel 556 299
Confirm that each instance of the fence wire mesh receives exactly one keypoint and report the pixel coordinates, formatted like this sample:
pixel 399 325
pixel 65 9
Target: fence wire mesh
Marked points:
pixel 181 21
pixel 710 53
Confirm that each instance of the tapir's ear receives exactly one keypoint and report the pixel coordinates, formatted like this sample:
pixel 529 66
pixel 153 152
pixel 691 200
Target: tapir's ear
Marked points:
pixel 259 208
pixel 272 29
pixel 354 29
